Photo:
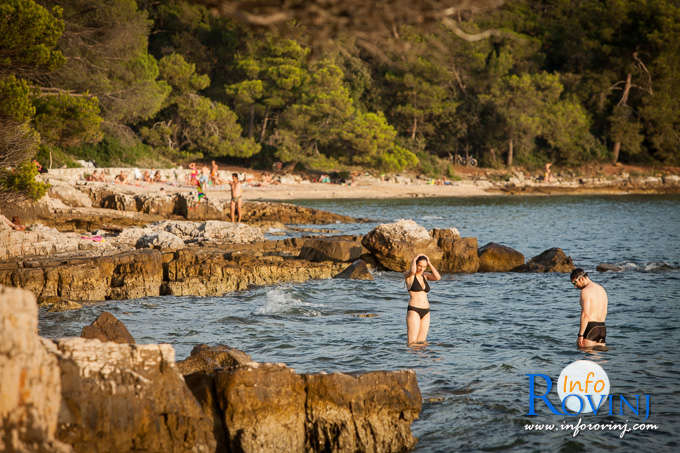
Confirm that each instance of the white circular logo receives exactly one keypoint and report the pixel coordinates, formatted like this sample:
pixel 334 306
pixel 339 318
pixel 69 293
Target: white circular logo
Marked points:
pixel 584 385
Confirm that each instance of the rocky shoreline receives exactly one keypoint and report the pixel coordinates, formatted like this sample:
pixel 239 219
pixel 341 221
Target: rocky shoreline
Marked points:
pixel 87 395
pixel 106 244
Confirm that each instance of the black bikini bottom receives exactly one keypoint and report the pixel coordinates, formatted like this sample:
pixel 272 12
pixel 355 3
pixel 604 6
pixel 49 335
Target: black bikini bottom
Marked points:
pixel 595 331
pixel 421 311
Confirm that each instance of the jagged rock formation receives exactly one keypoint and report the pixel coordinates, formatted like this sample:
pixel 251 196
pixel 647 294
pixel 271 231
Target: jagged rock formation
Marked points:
pixel 395 245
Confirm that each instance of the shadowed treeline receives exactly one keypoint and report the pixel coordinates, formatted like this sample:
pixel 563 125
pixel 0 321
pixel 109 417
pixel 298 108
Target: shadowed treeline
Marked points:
pixel 388 86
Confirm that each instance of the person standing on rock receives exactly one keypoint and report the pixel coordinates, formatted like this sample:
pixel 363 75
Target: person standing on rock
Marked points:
pixel 418 310
pixel 236 194
pixel 592 331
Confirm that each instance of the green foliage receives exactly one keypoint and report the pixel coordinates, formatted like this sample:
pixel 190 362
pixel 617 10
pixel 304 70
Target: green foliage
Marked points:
pixel 274 74
pixel 624 128
pixel 110 152
pixel 65 120
pixel 106 45
pixel 28 36
pixel 192 125
pixel 15 99
pixel 49 154
pixel 431 165
pixel 181 75
pixel 531 107
pixel 21 179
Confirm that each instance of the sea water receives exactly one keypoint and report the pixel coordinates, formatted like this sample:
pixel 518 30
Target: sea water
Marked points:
pixel 488 331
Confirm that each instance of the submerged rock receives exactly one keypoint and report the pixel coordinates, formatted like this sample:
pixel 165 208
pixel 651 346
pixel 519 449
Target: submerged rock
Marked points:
pixel 358 270
pixel 495 257
pixel 606 267
pixel 206 358
pixel 107 328
pixel 551 260
pixel 395 245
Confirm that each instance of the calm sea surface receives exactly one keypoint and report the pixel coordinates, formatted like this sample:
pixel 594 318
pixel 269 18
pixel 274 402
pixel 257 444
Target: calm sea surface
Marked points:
pixel 488 330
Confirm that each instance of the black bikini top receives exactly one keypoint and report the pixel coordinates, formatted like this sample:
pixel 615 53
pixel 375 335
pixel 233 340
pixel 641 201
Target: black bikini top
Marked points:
pixel 415 286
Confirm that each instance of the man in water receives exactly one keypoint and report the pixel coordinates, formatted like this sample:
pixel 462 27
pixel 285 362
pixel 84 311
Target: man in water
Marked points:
pixel 592 331
pixel 236 194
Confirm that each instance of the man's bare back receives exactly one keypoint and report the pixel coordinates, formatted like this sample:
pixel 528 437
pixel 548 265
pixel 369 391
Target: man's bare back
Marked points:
pixel 594 302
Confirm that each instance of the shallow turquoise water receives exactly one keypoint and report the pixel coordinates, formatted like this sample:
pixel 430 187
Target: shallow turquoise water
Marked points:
pixel 488 330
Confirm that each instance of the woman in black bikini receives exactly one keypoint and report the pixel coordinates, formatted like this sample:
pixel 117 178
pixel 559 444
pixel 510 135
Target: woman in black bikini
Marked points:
pixel 418 311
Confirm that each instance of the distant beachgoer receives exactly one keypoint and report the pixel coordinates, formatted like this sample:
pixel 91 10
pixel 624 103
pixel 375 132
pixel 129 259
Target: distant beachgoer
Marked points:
pixel 147 176
pixel 193 176
pixel 157 177
pixel 16 224
pixel 548 174
pixel 418 310
pixel 40 168
pixel 215 174
pixel 203 180
pixel 592 331
pixel 236 194
pixel 120 178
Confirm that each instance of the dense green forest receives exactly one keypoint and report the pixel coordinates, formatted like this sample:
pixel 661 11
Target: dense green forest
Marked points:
pixel 157 82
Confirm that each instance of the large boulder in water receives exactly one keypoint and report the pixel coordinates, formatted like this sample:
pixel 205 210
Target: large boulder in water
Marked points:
pixel 460 255
pixel 495 257
pixel 445 234
pixel 30 382
pixel 344 248
pixel 125 398
pixel 395 245
pixel 108 328
pixel 358 270
pixel 551 260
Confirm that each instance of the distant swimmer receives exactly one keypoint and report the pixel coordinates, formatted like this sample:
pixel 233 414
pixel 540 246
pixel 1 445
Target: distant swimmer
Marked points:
pixel 592 331
pixel 418 310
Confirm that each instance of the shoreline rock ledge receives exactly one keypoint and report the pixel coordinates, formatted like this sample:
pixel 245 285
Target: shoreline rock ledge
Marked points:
pixel 85 395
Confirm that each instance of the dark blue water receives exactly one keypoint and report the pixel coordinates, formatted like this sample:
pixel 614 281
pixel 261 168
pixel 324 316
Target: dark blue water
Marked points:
pixel 488 330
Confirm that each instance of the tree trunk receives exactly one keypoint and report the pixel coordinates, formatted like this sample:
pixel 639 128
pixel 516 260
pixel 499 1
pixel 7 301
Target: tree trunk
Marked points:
pixel 616 151
pixel 624 101
pixel 510 153
pixel 264 125
pixel 251 122
pixel 414 128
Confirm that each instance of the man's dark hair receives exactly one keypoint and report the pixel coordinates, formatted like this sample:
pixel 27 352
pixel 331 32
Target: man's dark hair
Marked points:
pixel 234 175
pixel 576 273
